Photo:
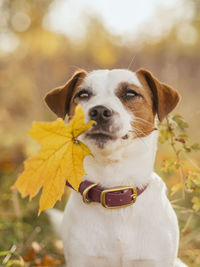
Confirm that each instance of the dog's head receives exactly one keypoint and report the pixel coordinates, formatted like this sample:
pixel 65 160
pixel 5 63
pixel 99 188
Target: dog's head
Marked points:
pixel 123 104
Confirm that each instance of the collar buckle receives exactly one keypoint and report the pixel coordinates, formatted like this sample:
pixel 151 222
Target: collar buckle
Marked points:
pixel 117 189
pixel 85 193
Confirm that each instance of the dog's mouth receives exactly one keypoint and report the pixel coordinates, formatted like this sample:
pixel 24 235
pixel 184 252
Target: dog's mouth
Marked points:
pixel 100 136
pixel 103 134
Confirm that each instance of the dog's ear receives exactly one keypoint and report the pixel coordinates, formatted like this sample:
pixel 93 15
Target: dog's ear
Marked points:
pixel 165 97
pixel 59 98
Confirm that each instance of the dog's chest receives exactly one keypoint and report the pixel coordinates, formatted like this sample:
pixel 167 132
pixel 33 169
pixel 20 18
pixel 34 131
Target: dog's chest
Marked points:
pixel 134 231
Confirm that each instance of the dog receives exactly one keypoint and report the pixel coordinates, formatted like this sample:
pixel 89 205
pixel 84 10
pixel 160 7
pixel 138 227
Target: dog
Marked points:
pixel 121 216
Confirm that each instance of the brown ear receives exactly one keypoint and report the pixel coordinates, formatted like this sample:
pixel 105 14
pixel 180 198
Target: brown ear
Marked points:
pixel 59 98
pixel 165 97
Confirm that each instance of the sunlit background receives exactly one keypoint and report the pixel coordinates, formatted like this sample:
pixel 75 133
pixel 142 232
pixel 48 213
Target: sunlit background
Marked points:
pixel 42 42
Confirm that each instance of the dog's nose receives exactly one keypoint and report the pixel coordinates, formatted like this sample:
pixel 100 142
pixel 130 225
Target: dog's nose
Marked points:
pixel 100 114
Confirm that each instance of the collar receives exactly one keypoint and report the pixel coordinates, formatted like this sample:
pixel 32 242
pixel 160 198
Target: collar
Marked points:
pixel 110 198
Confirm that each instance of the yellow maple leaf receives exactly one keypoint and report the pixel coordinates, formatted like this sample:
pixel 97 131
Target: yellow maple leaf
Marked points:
pixel 59 160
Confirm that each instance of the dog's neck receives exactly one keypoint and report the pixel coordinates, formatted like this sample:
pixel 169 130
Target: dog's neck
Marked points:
pixel 131 164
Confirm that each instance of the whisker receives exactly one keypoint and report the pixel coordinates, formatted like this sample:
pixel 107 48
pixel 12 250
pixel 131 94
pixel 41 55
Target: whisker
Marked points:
pixel 141 140
pixel 130 64
pixel 137 118
pixel 75 67
pixel 138 131
pixel 78 68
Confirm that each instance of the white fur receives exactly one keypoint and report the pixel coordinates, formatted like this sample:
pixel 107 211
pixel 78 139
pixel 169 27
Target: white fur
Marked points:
pixel 145 234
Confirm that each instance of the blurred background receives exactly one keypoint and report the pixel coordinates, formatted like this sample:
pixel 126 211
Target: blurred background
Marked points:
pixel 41 44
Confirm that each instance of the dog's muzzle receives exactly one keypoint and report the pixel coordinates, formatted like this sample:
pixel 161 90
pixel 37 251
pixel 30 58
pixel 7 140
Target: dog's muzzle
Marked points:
pixel 104 130
pixel 100 114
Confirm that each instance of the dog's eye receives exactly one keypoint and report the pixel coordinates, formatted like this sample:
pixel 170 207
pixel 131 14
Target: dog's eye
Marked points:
pixel 83 94
pixel 129 94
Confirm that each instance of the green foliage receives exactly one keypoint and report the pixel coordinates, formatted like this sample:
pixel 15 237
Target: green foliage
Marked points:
pixel 185 174
pixel 179 122
pixel 193 181
pixel 168 165
pixel 174 132
pixel 11 258
pixel 196 203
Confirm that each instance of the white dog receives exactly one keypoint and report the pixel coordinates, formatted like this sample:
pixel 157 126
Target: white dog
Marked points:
pixel 132 225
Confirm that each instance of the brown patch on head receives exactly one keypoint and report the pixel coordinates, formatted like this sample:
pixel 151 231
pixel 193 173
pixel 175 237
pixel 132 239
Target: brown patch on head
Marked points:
pixel 153 97
pixel 59 98
pixel 139 102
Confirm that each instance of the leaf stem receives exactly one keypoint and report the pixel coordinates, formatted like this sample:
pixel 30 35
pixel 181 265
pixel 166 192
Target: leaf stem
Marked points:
pixel 177 152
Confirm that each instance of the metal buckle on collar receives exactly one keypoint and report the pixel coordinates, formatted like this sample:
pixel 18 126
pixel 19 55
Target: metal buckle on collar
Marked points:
pixel 85 192
pixel 116 189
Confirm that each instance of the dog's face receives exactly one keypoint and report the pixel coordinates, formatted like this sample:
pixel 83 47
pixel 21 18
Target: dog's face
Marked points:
pixel 123 104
